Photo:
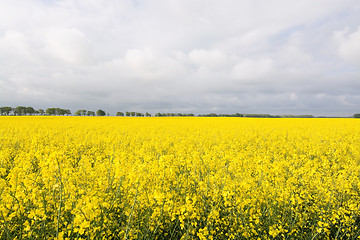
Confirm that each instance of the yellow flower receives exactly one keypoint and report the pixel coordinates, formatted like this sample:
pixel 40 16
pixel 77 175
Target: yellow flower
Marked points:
pixel 179 177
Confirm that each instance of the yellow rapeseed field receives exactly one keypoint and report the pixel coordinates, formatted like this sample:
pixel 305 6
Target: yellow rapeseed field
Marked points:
pixel 179 178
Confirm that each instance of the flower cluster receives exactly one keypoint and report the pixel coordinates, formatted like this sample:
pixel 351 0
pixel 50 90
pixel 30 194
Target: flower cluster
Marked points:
pixel 179 178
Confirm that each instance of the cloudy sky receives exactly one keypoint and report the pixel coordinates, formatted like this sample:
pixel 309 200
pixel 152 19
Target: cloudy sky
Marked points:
pixel 199 56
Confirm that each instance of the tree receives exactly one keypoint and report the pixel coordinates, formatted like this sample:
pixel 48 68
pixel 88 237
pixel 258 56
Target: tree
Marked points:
pixel 50 111
pixel 41 111
pixel 357 115
pixel 57 111
pixel 120 114
pixel 147 114
pixel 30 110
pixel 60 111
pixel 100 113
pixel 127 114
pixel 132 114
pixel 20 110
pixel 90 113
pixel 7 110
pixel 78 113
pixel 68 112
pixel 82 112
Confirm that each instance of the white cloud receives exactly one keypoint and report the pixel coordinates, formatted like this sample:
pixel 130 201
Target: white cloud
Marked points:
pixel 16 48
pixel 69 45
pixel 349 45
pixel 211 59
pixel 249 69
pixel 173 55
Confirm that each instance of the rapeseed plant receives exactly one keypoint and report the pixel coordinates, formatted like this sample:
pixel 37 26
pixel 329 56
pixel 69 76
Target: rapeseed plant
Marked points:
pixel 179 178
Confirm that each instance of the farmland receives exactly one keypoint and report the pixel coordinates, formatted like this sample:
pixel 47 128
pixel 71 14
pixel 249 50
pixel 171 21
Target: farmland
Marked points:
pixel 179 178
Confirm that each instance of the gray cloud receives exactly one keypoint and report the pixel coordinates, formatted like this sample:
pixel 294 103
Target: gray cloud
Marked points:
pixel 182 56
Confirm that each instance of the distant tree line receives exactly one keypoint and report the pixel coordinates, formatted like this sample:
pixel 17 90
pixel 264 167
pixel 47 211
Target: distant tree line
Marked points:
pixel 6 110
pixel 174 115
pixel 239 115
pixel 133 114
pixel 83 112
pixel 57 111
pixel 297 116
pixel 221 115
pixel 29 111
pixel 255 115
